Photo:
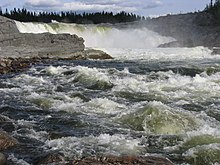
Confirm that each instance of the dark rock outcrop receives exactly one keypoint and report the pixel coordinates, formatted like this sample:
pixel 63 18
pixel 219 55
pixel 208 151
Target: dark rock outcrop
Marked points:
pixel 97 54
pixel 191 29
pixel 49 158
pixel 6 141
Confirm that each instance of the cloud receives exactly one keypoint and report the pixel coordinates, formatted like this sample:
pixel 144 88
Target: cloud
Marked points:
pixel 81 5
pixel 42 3
pixel 104 2
pixel 153 4
pixel 93 5
pixel 8 3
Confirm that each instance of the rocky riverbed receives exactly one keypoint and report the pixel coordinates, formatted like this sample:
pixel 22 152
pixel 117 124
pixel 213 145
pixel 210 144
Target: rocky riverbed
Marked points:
pixel 18 64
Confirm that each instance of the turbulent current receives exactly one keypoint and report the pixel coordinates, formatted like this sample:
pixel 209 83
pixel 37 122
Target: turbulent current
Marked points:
pixel 146 101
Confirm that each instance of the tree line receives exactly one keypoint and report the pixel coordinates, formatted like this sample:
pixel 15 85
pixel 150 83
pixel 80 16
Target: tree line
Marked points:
pixel 24 15
pixel 214 9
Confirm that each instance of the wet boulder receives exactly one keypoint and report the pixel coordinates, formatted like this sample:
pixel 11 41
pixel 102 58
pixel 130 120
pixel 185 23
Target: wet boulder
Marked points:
pixel 199 141
pixel 48 158
pixel 6 141
pixel 205 154
pixel 97 54
pixel 92 79
pixel 2 159
pixel 157 118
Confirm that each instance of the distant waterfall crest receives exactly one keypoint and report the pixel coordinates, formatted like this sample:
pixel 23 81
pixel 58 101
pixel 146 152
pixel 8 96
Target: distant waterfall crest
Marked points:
pixel 100 36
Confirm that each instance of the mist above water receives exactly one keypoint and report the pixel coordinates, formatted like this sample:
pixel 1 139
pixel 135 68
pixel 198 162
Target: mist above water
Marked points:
pixel 101 36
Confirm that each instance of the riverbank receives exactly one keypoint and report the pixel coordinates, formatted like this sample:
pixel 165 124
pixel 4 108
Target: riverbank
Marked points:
pixel 189 30
pixel 19 51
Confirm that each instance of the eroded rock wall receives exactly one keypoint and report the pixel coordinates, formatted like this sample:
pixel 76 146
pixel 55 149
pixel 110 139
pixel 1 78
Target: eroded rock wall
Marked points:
pixel 15 44
pixel 191 29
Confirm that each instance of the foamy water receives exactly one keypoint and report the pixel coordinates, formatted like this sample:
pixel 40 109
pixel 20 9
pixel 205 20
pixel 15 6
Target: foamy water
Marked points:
pixel 147 101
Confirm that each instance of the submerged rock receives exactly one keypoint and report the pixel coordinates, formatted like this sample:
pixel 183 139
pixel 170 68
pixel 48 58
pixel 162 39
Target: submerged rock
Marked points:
pixel 205 154
pixel 2 159
pixel 92 79
pixel 158 119
pixel 6 141
pixel 199 141
pixel 114 160
pixel 44 103
pixel 49 158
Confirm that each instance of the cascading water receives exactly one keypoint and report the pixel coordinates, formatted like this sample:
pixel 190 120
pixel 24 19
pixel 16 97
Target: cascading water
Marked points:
pixel 100 36
pixel 147 101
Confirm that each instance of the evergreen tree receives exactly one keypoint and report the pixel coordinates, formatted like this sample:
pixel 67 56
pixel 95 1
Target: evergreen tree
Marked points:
pixel 214 10
pixel 70 17
pixel 1 13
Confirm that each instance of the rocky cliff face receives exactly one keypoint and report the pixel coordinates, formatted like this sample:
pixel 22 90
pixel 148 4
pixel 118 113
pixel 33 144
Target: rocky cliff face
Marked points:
pixel 15 44
pixel 21 50
pixel 7 26
pixel 191 29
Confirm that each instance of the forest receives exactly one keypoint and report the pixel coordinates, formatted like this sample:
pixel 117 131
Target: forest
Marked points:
pixel 24 15
pixel 214 9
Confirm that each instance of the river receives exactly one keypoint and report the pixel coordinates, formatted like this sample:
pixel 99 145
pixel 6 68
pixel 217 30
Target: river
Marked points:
pixel 146 101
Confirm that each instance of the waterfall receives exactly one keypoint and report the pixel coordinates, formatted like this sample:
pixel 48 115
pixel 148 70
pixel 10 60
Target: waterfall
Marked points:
pixel 102 36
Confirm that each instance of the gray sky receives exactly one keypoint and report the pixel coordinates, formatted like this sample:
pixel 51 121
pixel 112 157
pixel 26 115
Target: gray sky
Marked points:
pixel 141 7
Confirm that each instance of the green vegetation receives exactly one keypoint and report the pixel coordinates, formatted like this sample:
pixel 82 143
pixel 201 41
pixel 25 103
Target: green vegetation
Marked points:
pixel 24 15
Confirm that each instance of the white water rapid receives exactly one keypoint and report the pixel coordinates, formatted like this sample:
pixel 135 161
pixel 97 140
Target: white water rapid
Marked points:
pixel 146 101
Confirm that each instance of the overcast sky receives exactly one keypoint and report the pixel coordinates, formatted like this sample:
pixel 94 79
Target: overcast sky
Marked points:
pixel 141 7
